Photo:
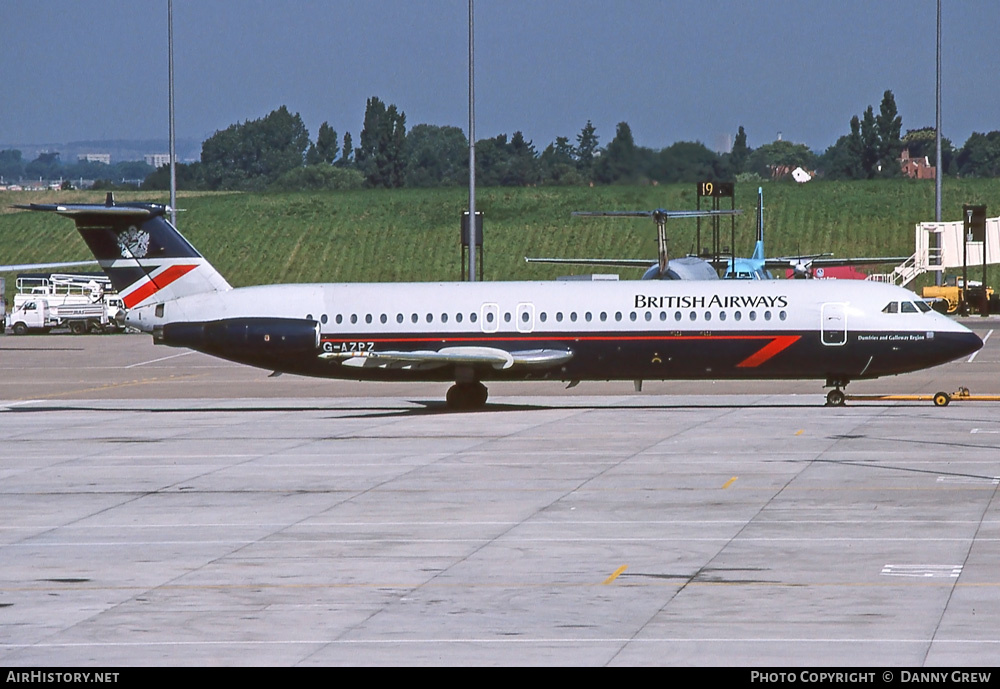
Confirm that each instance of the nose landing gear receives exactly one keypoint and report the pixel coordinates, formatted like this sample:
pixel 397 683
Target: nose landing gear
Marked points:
pixel 836 397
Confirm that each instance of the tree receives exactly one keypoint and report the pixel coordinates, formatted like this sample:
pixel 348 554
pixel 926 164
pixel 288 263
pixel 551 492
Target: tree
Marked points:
pixel 869 144
pixel 381 155
pixel 888 125
pixel 250 156
pixel 780 156
pixel 45 166
pixel 347 155
pixel 922 143
pixel 11 165
pixel 557 164
pixel 522 167
pixel 980 156
pixel 738 156
pixel 686 161
pixel 326 144
pixel 587 150
pixel 843 160
pixel 436 156
pixel 619 161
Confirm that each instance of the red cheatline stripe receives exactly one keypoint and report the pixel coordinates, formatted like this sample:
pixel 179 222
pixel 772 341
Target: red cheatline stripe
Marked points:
pixel 156 283
pixel 493 337
pixel 776 346
pixel 778 343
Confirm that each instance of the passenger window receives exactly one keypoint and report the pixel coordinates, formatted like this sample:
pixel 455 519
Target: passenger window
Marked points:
pixel 604 316
pixel 399 318
pixel 354 318
pixel 458 317
pixel 414 317
pixel 618 316
pixel 444 318
pixel 572 316
pixel 631 316
pixel 753 315
pixel 708 315
pixel 587 316
pixel 542 316
pixel 782 315
pixel 383 318
pixel 473 317
pixel 340 319
pixel 558 316
pixel 368 318
pixel 738 316
pixel 677 315
pixel 692 315
pixel 722 315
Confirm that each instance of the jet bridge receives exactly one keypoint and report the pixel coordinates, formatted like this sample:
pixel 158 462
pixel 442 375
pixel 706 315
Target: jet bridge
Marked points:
pixel 939 247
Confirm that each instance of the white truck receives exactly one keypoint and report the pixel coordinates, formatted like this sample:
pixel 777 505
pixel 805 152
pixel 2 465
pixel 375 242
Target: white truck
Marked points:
pixel 81 303
pixel 39 316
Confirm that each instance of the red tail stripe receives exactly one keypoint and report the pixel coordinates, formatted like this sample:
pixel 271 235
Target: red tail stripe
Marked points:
pixel 156 283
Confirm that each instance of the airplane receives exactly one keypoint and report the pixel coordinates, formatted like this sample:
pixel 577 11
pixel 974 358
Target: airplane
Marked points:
pixel 471 332
pixel 754 267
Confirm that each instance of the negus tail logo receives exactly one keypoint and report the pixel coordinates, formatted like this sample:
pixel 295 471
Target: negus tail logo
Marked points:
pixel 146 258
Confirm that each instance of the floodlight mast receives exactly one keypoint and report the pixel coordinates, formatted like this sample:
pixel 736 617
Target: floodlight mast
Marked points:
pixel 938 171
pixel 472 146
pixel 170 89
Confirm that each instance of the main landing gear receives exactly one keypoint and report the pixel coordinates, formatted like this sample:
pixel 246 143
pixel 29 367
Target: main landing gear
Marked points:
pixel 836 397
pixel 469 395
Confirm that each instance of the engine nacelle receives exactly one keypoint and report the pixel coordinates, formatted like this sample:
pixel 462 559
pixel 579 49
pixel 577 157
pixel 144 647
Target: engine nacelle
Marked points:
pixel 254 337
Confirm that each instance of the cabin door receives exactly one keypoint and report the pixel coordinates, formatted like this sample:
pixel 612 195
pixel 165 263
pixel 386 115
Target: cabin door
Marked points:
pixel 833 324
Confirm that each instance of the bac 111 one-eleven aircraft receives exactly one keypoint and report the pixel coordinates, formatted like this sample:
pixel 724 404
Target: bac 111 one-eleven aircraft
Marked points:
pixel 470 332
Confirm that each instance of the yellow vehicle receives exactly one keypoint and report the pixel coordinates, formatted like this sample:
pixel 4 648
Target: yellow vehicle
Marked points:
pixel 948 297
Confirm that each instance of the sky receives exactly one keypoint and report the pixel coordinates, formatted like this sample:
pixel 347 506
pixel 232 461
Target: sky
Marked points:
pixel 675 70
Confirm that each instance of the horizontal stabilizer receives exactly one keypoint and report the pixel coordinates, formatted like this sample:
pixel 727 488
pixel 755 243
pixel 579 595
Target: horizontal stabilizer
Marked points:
pixel 659 213
pixel 71 210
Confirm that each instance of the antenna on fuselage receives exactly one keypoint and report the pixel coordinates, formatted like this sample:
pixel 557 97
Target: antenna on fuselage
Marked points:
pixel 660 217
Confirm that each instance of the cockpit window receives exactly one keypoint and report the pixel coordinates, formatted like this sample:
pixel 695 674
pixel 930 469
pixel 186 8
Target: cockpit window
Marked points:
pixel 891 307
pixel 924 306
pixel 908 307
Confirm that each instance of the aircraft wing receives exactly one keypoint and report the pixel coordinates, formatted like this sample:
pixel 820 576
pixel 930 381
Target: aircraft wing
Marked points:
pixel 828 261
pixel 860 261
pixel 613 262
pixel 470 356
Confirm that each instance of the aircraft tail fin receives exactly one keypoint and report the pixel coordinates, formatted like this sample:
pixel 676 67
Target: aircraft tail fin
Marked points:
pixel 758 249
pixel 146 258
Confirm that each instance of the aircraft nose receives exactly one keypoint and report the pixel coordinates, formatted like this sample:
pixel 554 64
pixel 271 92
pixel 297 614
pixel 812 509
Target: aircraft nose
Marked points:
pixel 962 344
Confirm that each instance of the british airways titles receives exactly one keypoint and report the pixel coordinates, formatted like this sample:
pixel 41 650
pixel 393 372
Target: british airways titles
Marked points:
pixel 643 301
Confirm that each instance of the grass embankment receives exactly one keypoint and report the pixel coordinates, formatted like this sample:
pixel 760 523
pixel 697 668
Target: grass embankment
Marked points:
pixel 412 234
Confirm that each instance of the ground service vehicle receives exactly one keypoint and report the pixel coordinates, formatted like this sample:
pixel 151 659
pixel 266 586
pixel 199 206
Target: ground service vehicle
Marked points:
pixel 40 317
pixel 949 296
pixel 82 303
